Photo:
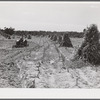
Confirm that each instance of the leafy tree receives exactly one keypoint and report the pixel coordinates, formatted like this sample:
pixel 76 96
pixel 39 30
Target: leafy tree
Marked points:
pixel 9 31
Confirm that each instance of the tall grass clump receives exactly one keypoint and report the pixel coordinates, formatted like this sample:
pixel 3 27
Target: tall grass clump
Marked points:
pixel 89 51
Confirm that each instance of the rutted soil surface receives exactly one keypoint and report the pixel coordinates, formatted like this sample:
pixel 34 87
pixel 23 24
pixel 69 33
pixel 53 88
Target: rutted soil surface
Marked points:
pixel 45 65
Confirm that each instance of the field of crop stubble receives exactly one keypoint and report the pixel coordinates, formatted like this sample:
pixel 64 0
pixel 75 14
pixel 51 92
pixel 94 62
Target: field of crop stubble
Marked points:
pixel 44 65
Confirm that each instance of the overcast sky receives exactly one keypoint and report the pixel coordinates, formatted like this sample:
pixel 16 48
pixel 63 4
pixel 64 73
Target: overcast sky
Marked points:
pixel 49 16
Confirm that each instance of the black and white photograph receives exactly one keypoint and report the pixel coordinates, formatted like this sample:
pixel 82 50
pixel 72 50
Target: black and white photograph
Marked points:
pixel 50 45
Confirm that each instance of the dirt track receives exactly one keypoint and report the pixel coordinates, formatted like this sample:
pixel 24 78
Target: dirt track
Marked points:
pixel 45 65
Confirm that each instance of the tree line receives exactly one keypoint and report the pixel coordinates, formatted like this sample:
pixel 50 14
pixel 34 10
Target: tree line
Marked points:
pixel 11 31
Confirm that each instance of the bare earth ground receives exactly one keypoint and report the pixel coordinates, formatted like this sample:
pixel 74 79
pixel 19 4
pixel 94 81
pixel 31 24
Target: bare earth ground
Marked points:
pixel 44 65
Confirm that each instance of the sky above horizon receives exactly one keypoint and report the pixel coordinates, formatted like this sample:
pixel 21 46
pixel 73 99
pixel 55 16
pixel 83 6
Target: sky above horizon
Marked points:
pixel 49 16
